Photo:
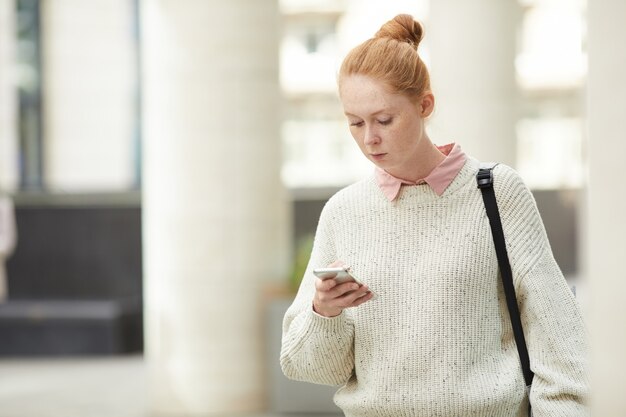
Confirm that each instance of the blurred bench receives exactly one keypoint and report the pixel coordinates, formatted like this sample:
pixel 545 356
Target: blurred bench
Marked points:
pixel 69 327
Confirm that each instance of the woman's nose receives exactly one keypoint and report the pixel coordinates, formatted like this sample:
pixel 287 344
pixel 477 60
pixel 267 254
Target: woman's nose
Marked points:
pixel 371 136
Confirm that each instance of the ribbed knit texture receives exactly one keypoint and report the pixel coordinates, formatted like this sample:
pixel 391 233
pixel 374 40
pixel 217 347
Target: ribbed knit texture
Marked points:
pixel 438 340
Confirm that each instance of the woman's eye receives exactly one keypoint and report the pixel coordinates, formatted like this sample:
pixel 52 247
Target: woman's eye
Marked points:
pixel 357 124
pixel 385 122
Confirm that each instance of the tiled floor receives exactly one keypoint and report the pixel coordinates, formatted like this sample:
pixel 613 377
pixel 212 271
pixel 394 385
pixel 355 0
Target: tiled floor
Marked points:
pixel 94 387
pixel 72 387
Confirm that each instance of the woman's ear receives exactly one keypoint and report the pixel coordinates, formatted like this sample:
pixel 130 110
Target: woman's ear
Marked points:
pixel 427 104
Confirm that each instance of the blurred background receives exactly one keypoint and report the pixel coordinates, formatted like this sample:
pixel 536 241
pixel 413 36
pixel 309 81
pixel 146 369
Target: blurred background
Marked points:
pixel 163 165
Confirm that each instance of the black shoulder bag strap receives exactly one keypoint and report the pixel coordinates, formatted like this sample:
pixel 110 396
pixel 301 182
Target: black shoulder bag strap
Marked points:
pixel 484 179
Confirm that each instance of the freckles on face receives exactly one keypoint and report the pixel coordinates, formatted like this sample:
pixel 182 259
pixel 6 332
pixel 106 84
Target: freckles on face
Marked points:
pixel 369 108
pixel 373 110
pixel 386 126
pixel 362 96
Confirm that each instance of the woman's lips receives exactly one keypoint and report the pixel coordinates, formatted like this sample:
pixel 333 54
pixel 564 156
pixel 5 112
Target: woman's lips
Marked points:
pixel 377 156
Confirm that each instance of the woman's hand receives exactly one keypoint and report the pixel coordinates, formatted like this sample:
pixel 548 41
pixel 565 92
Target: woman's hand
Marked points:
pixel 331 298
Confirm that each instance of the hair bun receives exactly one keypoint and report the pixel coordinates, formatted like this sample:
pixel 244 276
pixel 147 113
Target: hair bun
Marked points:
pixel 402 28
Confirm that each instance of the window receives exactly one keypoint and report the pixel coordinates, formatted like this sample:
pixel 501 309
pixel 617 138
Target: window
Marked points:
pixel 29 86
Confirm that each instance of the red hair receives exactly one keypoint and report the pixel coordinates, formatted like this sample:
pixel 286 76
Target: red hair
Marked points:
pixel 391 57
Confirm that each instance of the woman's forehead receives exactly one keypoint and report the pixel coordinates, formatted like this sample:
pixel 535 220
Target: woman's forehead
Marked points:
pixel 361 95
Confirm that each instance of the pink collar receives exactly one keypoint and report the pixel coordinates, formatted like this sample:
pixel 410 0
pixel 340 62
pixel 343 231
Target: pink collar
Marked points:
pixel 439 179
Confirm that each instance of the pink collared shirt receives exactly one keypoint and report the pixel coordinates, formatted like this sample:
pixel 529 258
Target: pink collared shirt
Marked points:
pixel 439 178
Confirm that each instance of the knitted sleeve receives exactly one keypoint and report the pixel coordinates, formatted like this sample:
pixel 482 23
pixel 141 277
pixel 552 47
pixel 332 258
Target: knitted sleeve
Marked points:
pixel 553 325
pixel 315 348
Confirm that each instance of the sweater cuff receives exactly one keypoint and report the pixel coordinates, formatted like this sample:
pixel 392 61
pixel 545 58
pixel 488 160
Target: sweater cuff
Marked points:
pixel 324 329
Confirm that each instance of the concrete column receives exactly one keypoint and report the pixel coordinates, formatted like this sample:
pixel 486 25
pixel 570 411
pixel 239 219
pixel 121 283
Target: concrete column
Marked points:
pixel 606 203
pixel 89 93
pixel 8 98
pixel 472 48
pixel 215 213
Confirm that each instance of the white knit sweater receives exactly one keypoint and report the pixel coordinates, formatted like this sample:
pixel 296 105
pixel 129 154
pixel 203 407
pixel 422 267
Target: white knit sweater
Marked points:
pixel 438 340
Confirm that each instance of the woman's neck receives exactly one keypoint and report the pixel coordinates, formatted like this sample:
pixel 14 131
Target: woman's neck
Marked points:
pixel 427 158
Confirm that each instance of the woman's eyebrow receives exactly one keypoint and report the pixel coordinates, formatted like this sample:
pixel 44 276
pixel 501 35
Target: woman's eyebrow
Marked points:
pixel 371 114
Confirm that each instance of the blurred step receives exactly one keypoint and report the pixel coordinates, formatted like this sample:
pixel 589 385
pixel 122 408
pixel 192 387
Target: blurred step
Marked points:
pixel 60 327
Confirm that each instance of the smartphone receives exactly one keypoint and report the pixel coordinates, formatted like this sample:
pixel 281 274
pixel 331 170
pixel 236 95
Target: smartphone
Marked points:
pixel 340 274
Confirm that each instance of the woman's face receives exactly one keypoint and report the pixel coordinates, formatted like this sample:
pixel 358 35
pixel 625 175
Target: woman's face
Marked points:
pixel 388 127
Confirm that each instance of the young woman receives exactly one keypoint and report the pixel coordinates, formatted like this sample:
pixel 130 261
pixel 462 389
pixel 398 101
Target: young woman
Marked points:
pixel 437 341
